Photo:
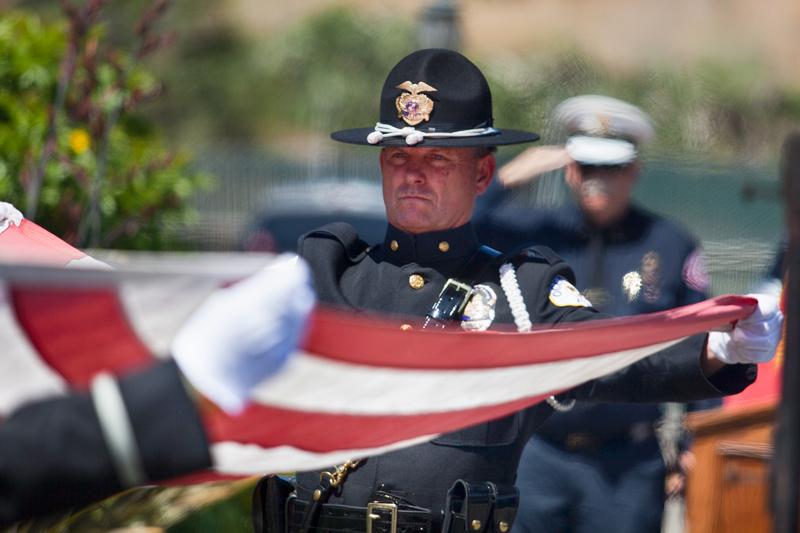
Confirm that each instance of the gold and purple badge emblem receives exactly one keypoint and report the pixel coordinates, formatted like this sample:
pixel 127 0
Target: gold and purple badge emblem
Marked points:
pixel 413 106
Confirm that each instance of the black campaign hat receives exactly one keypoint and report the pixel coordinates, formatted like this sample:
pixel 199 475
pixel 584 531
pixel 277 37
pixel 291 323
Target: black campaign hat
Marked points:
pixel 435 97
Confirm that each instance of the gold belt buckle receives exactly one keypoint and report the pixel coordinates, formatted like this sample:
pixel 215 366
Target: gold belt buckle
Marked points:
pixel 391 507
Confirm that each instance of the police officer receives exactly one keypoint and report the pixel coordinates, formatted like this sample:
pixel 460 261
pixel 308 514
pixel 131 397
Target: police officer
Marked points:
pixel 69 451
pixel 436 136
pixel 600 466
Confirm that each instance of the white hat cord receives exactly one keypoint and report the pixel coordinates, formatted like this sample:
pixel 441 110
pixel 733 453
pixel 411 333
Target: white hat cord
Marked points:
pixel 414 136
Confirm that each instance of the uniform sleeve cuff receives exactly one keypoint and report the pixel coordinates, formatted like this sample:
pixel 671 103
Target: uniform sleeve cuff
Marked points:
pixel 169 432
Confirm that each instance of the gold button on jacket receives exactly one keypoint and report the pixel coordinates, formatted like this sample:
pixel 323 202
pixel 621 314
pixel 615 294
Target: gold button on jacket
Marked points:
pixel 416 281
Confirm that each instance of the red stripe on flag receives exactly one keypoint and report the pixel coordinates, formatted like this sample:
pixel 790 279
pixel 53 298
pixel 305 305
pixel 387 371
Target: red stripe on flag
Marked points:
pixel 35 244
pixel 362 340
pixel 324 432
pixel 79 332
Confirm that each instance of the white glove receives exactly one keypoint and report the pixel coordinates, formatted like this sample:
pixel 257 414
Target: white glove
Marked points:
pixel 9 215
pixel 754 339
pixel 242 334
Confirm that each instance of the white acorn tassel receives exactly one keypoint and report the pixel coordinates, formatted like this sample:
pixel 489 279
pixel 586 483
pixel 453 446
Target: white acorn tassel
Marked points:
pixel 414 138
pixel 374 137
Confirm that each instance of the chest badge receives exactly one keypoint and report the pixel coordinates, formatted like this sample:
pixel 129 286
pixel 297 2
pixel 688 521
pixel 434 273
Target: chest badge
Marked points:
pixel 651 277
pixel 479 312
pixel 413 106
pixel 632 285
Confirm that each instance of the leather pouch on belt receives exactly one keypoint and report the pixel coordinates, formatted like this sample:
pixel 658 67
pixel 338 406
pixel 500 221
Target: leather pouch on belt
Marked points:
pixel 269 504
pixel 468 508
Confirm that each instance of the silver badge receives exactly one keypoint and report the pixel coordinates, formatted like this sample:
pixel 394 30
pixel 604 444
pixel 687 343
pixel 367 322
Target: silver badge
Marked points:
pixel 479 313
pixel 631 285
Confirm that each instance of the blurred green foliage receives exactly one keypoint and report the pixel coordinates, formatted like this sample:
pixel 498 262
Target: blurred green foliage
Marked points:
pixel 213 506
pixel 711 109
pixel 325 72
pixel 74 153
pixel 223 87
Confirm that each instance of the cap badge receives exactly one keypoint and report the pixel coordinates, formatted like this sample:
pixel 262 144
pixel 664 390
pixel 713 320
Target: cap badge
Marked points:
pixel 604 122
pixel 413 106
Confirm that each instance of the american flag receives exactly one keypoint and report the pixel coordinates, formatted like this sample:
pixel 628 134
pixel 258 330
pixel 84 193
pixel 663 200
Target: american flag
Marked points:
pixel 357 386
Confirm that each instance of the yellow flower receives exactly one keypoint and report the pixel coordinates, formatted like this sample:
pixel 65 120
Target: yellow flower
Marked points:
pixel 79 140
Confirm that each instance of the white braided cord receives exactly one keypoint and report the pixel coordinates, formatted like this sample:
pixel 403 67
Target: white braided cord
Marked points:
pixel 510 285
pixel 414 136
pixel 508 280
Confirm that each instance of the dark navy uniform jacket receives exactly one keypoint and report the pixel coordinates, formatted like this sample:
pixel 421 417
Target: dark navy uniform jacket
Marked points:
pixel 349 274
pixel 53 455
pixel 653 252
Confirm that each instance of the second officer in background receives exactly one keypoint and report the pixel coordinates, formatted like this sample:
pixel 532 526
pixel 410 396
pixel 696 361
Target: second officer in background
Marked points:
pixel 601 467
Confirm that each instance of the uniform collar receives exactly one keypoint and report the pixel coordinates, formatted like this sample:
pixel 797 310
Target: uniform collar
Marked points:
pixel 427 248
pixel 627 227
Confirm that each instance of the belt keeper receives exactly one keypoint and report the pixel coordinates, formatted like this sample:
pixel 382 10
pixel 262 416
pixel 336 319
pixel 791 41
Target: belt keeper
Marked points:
pixel 505 501
pixel 467 508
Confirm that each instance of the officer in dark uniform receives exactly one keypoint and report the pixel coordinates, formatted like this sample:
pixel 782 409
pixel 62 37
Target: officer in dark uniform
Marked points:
pixel 600 466
pixel 69 451
pixel 436 136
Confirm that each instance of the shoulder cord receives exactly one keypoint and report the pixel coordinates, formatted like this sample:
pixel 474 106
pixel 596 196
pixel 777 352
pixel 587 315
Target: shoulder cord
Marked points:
pixel 510 285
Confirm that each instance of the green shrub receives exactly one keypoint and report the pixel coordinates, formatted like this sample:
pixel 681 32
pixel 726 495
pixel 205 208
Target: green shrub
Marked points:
pixel 74 154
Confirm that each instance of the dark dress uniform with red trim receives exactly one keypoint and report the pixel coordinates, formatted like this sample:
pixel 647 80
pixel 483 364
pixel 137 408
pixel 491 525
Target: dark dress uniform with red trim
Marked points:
pixel 385 278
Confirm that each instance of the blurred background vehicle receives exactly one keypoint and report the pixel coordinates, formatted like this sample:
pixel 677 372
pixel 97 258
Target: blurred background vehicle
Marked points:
pixel 290 210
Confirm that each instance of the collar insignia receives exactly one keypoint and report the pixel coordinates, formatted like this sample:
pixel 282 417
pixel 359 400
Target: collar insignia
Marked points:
pixel 413 106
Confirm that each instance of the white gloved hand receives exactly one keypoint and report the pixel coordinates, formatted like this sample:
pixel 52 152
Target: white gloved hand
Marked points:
pixel 242 334
pixel 9 215
pixel 754 339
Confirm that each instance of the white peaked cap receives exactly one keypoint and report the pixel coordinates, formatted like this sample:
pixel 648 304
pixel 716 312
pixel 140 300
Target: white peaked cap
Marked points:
pixel 603 130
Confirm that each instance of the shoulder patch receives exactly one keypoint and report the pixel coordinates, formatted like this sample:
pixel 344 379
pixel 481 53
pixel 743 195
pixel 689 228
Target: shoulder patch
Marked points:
pixel 564 294
pixel 694 272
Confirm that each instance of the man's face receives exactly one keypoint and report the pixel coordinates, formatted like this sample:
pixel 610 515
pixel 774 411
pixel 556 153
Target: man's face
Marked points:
pixel 431 189
pixel 603 193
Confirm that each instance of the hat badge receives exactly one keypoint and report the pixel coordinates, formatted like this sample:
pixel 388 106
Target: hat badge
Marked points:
pixel 413 106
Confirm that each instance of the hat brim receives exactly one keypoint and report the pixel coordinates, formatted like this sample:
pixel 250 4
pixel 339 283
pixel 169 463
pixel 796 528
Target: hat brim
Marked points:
pixel 601 151
pixel 502 137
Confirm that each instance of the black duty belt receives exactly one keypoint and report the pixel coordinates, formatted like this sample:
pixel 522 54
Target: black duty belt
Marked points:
pixel 469 508
pixel 378 517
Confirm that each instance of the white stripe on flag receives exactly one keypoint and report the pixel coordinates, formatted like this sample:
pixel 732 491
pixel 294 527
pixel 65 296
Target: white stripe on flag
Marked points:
pixel 234 458
pixel 157 307
pixel 310 383
pixel 23 375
